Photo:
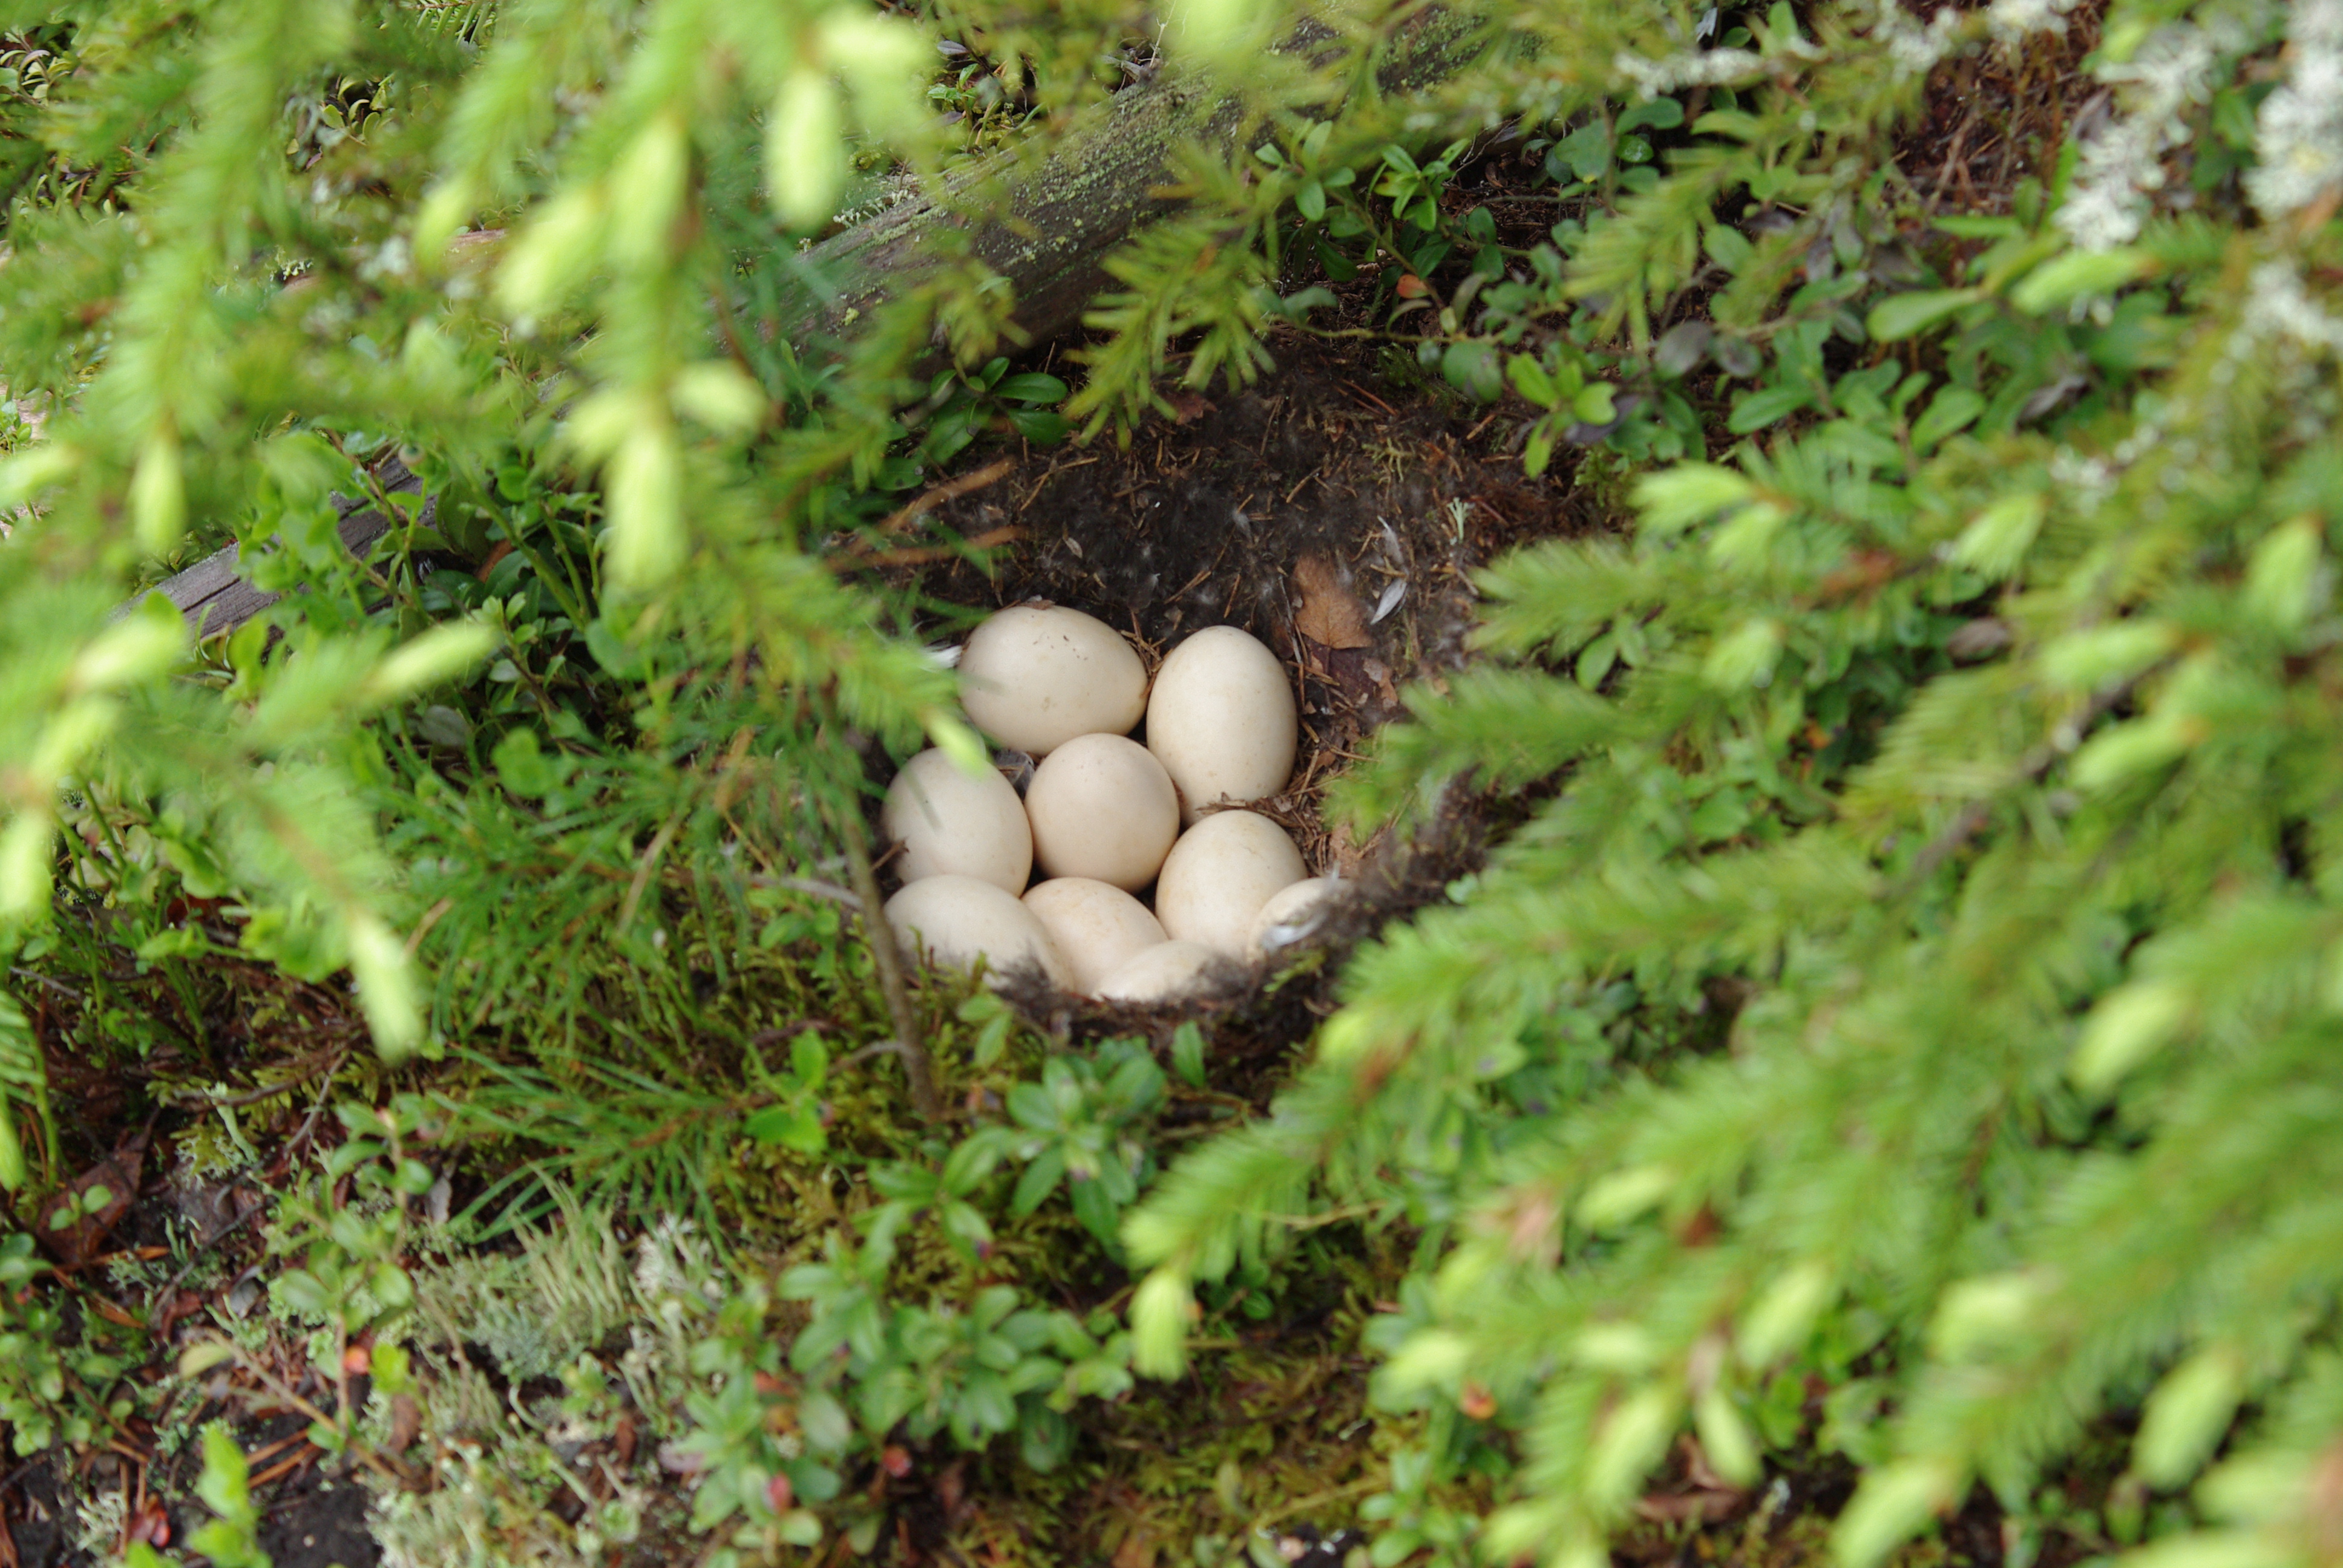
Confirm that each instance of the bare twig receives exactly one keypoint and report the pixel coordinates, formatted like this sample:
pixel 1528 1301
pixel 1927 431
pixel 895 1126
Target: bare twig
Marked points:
pixel 886 957
pixel 951 491
pixel 817 889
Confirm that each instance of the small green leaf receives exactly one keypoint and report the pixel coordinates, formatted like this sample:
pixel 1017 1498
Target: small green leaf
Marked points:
pixel 1729 250
pixel 1471 368
pixel 1660 114
pixel 1041 1180
pixel 1904 315
pixel 12 1151
pixel 1033 387
pixel 1188 1054
pixel 1294 307
pixel 203 1355
pixel 1755 410
pixel 1537 450
pixel 1680 349
pixel 224 1484
pixel 1042 426
pixel 2077 275
pixel 1530 379
pixel 298 1290
pixel 521 765
pixel 1586 153
pixel 975 1159
pixel 797 1126
pixel 610 652
pixel 1954 409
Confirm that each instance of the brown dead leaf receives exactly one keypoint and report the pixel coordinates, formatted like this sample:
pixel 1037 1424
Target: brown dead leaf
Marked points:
pixel 1324 611
pixel 1345 855
pixel 407 1425
pixel 1188 407
pixel 1697 1507
pixel 75 1221
pixel 1138 1551
pixel 149 1524
pixel 623 1439
pixel 951 1490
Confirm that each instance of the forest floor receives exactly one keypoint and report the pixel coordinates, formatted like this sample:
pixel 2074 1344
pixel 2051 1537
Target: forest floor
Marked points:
pixel 1337 509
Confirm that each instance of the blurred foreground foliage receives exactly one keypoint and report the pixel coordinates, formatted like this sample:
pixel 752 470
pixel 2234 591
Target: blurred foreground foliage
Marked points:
pixel 1901 1034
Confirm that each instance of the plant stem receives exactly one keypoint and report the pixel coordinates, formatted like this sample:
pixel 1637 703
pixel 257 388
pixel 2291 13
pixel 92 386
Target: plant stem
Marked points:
pixel 886 957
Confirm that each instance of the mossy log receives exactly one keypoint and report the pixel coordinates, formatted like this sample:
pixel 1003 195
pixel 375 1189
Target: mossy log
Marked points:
pixel 1048 221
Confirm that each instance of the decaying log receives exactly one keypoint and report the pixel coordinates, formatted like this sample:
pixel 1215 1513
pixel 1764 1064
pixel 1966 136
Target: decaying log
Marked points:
pixel 216 601
pixel 1051 218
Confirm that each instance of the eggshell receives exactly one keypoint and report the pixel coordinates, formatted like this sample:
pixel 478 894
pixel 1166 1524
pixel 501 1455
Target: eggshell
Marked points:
pixel 958 920
pixel 1103 807
pixel 1033 678
pixel 952 824
pixel 1219 876
pixel 1292 913
pixel 1167 972
pixel 1222 721
pixel 1097 928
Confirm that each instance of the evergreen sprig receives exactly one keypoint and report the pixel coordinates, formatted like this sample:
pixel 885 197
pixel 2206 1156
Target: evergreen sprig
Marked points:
pixel 1965 745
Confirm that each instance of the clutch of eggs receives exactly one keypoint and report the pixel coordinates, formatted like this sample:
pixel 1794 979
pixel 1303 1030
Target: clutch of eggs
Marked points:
pixel 1102 818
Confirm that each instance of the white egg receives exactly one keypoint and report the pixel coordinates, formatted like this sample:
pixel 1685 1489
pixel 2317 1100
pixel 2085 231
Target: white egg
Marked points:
pixel 1293 913
pixel 1221 720
pixel 952 823
pixel 1169 971
pixel 1033 678
pixel 1219 876
pixel 1103 807
pixel 957 921
pixel 1097 928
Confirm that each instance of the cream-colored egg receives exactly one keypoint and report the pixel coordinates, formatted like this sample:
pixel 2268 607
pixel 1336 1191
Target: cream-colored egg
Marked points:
pixel 1293 913
pixel 1222 721
pixel 957 921
pixel 1034 677
pixel 1169 971
pixel 951 823
pixel 1102 806
pixel 1097 928
pixel 1219 876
